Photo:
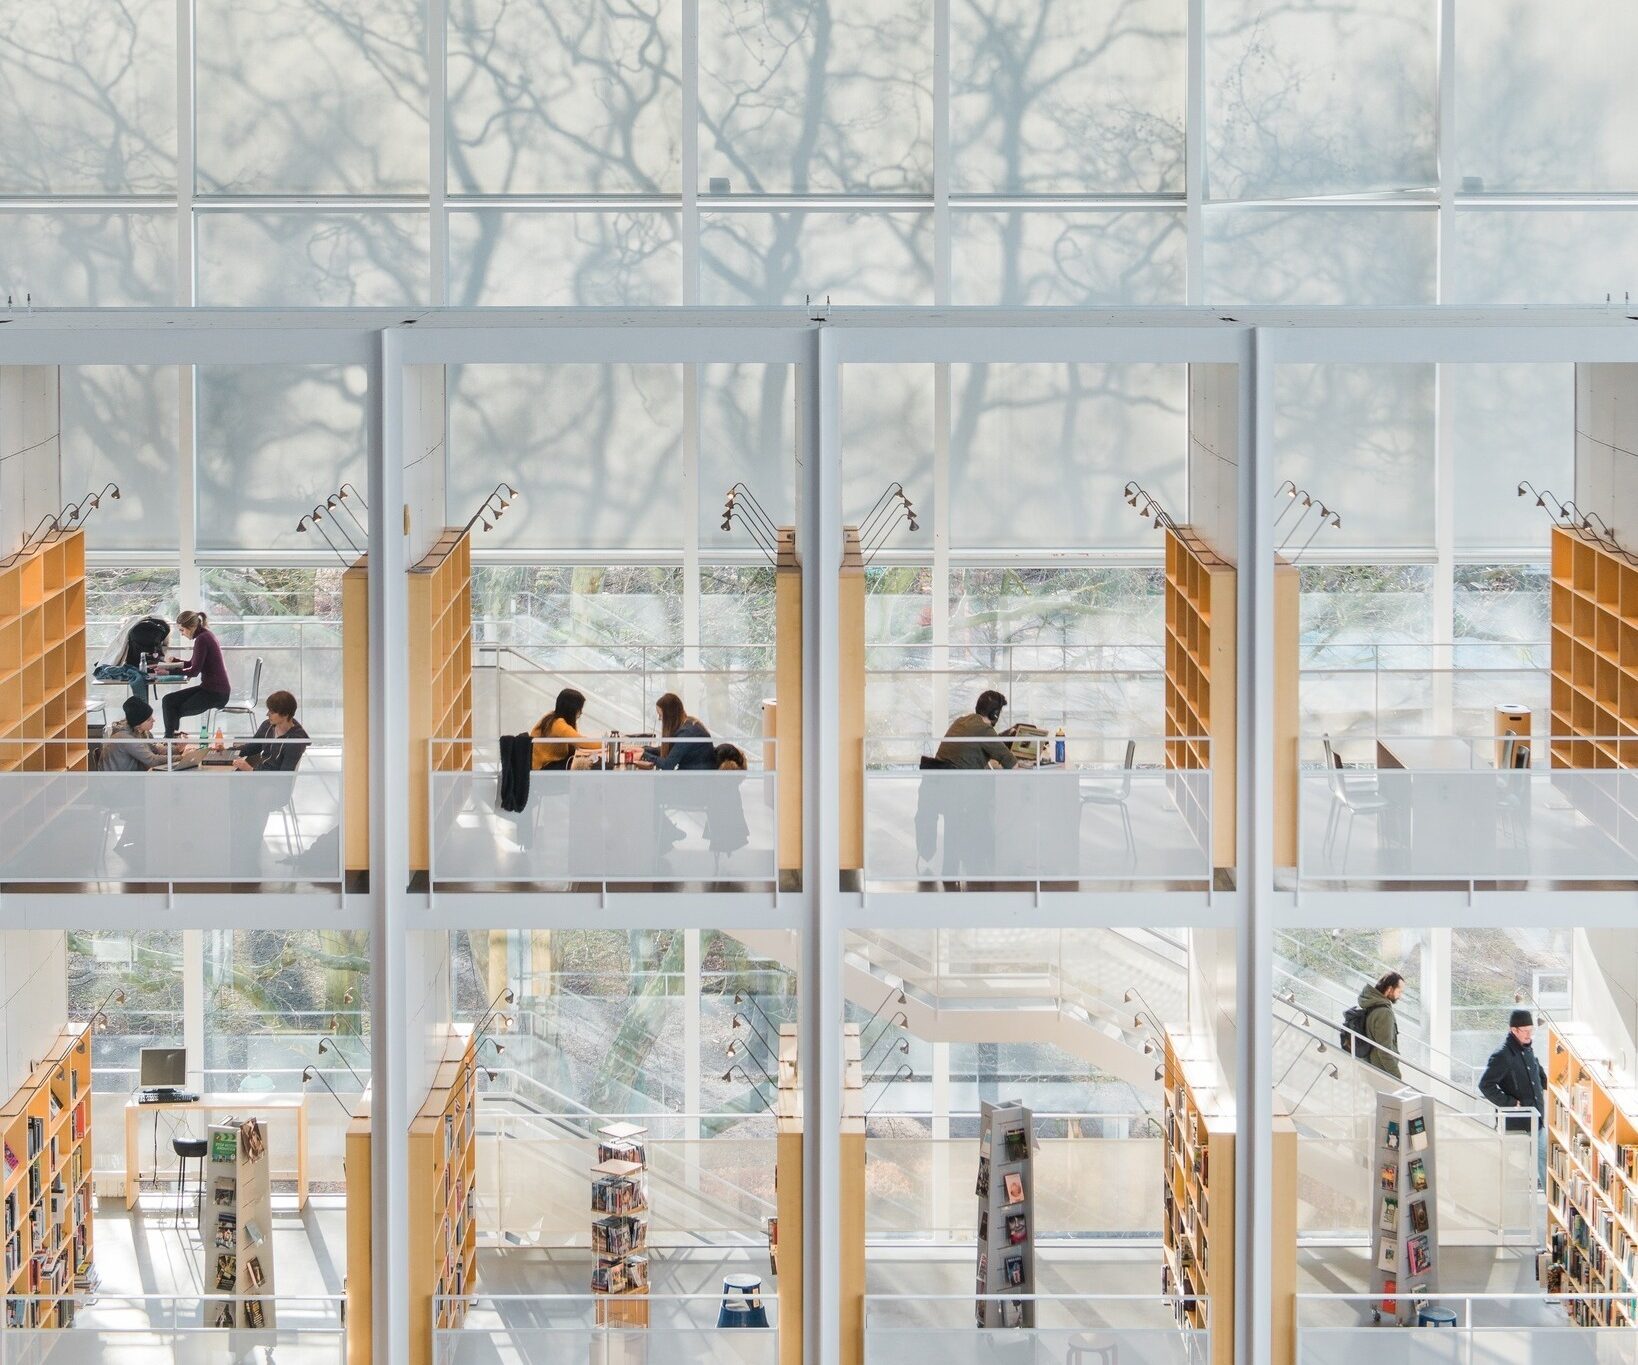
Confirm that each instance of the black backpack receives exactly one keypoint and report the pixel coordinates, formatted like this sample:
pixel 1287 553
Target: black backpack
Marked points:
pixel 1354 1019
pixel 147 636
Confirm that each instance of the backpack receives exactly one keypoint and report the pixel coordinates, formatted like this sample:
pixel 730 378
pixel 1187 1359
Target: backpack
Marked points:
pixel 1354 1020
pixel 147 636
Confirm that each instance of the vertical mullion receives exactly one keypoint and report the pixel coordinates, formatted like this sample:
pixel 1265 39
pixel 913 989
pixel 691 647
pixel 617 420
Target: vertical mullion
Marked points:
pixel 187 567
pixel 689 226
pixel 943 253
pixel 1194 153
pixel 1444 426
pixel 437 12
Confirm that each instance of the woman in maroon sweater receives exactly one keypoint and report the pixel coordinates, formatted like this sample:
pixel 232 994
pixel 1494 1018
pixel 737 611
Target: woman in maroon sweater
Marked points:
pixel 212 689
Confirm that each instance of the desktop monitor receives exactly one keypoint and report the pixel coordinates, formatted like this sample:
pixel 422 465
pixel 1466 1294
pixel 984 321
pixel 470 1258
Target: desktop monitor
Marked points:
pixel 164 1068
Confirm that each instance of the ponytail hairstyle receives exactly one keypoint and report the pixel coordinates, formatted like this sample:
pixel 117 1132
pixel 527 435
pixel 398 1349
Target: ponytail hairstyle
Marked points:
pixel 192 620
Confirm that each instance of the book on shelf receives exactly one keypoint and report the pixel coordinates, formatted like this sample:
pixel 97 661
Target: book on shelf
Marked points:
pixel 1017 1228
pixel 1389 1222
pixel 1017 1144
pixel 1013 1187
pixel 1417 1127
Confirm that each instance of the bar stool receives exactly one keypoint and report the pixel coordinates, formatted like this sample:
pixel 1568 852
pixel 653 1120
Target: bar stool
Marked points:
pixel 742 1304
pixel 186 1149
pixel 1087 1347
pixel 1430 1316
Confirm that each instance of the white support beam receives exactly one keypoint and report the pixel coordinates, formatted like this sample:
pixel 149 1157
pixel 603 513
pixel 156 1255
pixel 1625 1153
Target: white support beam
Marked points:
pixel 193 1006
pixel 437 33
pixel 389 855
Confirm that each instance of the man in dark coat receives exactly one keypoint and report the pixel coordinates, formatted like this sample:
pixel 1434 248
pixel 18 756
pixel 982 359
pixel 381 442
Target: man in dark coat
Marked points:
pixel 1513 1079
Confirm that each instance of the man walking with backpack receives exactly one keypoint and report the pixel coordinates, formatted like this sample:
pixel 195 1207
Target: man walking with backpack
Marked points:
pixel 1372 1029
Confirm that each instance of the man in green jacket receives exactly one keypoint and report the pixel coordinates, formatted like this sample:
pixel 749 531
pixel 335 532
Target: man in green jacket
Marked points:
pixel 973 729
pixel 1381 1027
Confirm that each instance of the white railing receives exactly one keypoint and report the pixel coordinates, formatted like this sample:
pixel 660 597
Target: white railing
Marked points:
pixel 1490 1329
pixel 1095 818
pixel 548 1329
pixel 603 827
pixel 1448 815
pixel 1132 1329
pixel 307 1330
pixel 173 826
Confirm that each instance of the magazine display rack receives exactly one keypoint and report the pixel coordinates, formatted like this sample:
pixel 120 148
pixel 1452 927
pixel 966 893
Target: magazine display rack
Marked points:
pixel 45 1182
pixel 1592 1182
pixel 1006 1215
pixel 236 1225
pixel 620 1226
pixel 1405 1227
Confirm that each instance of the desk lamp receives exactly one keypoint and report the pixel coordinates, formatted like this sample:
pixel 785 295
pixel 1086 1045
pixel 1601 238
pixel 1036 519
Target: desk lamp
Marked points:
pixel 312 1073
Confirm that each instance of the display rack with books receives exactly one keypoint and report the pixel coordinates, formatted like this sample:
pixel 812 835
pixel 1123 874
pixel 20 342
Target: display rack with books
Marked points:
pixel 620 1226
pixel 1006 1216
pixel 45 1186
pixel 236 1224
pixel 43 658
pixel 1404 1227
pixel 1592 1182
pixel 1198 1189
pixel 443 1223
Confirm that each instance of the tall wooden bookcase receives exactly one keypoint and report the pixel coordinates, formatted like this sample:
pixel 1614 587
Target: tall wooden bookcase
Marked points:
pixel 440 673
pixel 45 1185
pixel 1198 1202
pixel 42 657
pixel 785 1233
pixel 360 1248
pixel 1594 655
pixel 1592 1182
pixel 1201 723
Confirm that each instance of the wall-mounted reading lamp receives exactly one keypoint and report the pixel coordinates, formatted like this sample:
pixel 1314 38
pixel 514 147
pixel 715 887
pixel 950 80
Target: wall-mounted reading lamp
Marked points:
pixel 493 507
pixel 328 1044
pixel 315 522
pixel 879 522
pixel 1568 514
pixel 904 1073
pixel 728 1075
pixel 309 1073
pixel 46 526
pixel 741 504
pixel 1146 506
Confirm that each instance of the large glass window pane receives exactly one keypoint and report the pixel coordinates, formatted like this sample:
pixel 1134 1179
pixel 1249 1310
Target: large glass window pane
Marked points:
pixel 887 434
pixel 595 449
pixel 119 425
pixel 88 97
pixel 1077 98
pixel 562 258
pixel 311 96
pixel 306 259
pixel 89 258
pixel 1320 99
pixel 1366 604
pixel 1321 256
pixel 1359 438
pixel 816 97
pixel 552 98
pixel 1039 453
pixel 1049 257
pixel 1547 256
pixel 854 257
pixel 148 968
pixel 747 432
pixel 1511 422
pixel 1545 98
pixel 274 441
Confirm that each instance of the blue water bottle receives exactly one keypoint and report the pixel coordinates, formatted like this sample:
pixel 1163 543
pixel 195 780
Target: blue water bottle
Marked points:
pixel 1059 748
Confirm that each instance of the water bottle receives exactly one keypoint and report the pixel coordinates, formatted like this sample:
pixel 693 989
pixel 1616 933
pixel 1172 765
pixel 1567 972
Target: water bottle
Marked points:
pixel 204 733
pixel 1059 748
pixel 218 741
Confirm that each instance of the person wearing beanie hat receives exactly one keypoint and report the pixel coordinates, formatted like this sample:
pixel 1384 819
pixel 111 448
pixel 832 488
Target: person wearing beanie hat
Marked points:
pixel 1513 1079
pixel 128 748
pixel 137 711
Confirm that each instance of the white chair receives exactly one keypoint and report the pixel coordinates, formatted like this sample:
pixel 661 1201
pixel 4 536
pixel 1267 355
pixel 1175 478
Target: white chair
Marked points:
pixel 1116 794
pixel 245 706
pixel 1354 794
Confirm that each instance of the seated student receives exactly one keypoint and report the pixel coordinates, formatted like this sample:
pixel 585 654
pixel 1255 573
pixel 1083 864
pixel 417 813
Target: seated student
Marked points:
pixel 123 752
pixel 675 723
pixel 206 664
pixel 728 758
pixel 978 725
pixel 255 755
pixel 122 660
pixel 560 725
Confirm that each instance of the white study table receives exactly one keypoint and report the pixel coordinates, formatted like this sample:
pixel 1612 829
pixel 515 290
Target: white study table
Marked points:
pixel 239 1103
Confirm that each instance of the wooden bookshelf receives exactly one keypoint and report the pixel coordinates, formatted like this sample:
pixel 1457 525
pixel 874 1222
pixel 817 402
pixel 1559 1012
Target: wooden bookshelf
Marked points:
pixel 443 1233
pixel 1202 607
pixel 42 658
pixel 46 1185
pixel 1198 1201
pixel 786 714
pixel 785 1232
pixel 443 1145
pixel 440 673
pixel 1592 1181
pixel 1594 610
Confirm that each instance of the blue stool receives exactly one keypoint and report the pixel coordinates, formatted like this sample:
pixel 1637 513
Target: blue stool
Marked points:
pixel 1436 1317
pixel 742 1304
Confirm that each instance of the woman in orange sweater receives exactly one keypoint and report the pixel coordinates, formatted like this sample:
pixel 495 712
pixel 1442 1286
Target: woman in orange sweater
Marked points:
pixel 557 729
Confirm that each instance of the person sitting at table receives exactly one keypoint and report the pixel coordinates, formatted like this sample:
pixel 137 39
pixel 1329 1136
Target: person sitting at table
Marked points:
pixel 557 735
pixel 122 660
pixel 973 730
pixel 206 664
pixel 124 751
pixel 258 755
pixel 728 758
pixel 675 724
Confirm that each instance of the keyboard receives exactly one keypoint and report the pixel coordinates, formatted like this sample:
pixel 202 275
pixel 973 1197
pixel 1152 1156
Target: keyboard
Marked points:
pixel 165 1097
